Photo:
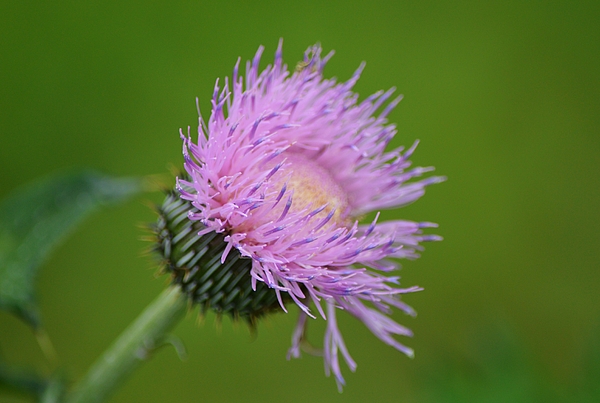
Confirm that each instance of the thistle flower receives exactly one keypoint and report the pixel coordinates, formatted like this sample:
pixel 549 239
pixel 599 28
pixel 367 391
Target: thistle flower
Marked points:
pixel 278 179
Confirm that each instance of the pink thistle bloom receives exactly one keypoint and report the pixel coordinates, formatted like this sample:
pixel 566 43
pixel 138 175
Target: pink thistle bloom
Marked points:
pixel 284 167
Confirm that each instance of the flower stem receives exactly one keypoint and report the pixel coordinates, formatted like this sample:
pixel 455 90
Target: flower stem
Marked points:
pixel 133 346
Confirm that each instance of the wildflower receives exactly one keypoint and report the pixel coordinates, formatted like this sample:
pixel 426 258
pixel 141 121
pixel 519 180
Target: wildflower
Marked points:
pixel 281 173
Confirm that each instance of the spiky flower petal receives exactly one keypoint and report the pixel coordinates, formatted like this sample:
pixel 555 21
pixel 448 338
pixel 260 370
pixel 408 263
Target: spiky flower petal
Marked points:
pixel 283 169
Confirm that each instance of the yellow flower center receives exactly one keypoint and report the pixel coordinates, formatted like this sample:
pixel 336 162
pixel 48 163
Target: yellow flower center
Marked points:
pixel 313 187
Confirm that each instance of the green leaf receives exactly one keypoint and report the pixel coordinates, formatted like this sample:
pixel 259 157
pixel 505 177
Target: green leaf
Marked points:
pixel 33 221
pixel 54 392
pixel 21 381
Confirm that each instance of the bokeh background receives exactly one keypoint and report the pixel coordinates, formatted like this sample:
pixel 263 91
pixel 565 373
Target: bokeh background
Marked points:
pixel 505 98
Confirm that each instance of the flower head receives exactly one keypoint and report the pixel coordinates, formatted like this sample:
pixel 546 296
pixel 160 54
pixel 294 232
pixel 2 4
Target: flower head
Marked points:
pixel 283 170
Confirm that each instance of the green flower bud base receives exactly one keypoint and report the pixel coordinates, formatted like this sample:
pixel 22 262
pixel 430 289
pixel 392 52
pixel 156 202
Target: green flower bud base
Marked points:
pixel 195 265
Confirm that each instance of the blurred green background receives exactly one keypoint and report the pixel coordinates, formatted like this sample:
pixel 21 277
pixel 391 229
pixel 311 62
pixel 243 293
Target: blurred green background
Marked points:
pixel 505 98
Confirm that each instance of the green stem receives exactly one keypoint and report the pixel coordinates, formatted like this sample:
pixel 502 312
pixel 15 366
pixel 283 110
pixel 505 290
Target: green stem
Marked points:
pixel 132 347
